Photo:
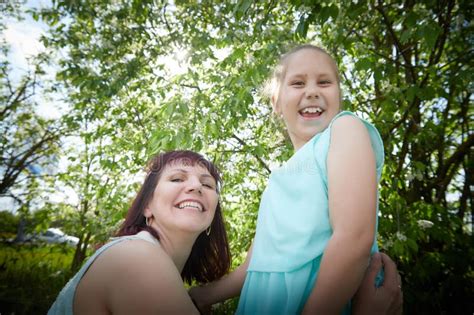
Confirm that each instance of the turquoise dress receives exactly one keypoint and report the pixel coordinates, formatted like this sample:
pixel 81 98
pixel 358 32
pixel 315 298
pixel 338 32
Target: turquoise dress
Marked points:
pixel 293 229
pixel 64 303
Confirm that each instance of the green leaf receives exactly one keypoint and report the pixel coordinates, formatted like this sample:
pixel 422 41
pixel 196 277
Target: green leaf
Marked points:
pixel 411 93
pixel 302 28
pixel 364 64
pixel 333 11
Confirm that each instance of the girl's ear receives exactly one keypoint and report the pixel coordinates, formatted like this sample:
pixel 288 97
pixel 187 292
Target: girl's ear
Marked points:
pixel 275 105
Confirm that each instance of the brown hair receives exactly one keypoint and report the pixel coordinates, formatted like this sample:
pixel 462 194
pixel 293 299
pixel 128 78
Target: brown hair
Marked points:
pixel 210 256
pixel 273 84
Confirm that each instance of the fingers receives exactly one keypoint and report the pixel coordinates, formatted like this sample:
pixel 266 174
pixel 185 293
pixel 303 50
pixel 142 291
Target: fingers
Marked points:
pixel 390 269
pixel 374 267
pixel 393 284
pixel 396 304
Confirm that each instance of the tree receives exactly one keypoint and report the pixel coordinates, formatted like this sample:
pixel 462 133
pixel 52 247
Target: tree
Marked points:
pixel 102 186
pixel 406 67
pixel 30 142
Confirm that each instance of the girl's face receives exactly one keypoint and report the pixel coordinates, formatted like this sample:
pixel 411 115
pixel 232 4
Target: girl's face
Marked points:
pixel 184 200
pixel 309 96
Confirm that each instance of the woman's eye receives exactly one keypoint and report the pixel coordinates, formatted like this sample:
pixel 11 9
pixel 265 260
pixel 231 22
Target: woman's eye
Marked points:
pixel 208 186
pixel 176 180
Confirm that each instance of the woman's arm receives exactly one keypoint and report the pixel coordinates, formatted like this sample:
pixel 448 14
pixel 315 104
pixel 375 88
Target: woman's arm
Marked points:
pixel 386 299
pixel 225 288
pixel 352 193
pixel 144 280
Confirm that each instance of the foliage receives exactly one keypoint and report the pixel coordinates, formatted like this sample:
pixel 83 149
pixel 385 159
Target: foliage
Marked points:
pixel 30 141
pixel 8 224
pixel 147 76
pixel 31 277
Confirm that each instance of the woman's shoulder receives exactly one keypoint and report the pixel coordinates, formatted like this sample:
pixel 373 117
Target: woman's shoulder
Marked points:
pixel 141 276
pixel 133 252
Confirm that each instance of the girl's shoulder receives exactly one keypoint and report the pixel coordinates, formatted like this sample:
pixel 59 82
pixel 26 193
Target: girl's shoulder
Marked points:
pixel 345 117
pixel 357 130
pixel 347 123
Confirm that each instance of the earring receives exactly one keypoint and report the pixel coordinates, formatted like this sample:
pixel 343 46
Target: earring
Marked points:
pixel 208 231
pixel 147 221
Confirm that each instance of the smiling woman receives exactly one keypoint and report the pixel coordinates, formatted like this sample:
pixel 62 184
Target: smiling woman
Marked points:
pixel 173 231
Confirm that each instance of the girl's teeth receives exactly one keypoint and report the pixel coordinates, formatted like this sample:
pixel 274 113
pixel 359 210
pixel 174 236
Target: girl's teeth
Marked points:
pixel 312 110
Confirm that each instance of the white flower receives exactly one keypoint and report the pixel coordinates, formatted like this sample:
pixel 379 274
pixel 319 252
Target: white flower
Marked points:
pixel 424 224
pixel 401 236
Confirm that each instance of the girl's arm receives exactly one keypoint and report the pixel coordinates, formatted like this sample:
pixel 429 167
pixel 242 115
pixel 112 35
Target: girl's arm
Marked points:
pixel 352 209
pixel 225 288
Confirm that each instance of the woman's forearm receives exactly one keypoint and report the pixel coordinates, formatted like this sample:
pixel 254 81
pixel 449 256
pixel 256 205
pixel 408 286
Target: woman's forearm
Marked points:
pixel 225 288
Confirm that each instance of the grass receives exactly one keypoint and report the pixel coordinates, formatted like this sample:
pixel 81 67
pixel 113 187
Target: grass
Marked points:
pixel 31 276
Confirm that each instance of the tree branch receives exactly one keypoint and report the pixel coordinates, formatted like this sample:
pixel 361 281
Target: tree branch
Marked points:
pixel 446 173
pixel 242 142
pixel 397 43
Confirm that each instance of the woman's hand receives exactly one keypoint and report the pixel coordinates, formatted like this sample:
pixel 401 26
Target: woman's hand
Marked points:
pixel 198 295
pixel 386 299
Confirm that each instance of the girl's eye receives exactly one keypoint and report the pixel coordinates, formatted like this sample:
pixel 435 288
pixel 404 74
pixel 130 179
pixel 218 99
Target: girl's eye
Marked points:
pixel 176 180
pixel 297 83
pixel 324 82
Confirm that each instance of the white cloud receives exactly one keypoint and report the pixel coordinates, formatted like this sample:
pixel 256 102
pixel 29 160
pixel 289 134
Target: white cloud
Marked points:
pixel 23 37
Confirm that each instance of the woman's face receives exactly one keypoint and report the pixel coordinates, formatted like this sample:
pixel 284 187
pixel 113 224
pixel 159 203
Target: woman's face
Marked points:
pixel 184 200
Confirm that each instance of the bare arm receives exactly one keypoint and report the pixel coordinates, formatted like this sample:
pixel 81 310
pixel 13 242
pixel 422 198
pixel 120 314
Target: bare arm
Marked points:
pixel 225 288
pixel 352 208
pixel 386 299
pixel 146 282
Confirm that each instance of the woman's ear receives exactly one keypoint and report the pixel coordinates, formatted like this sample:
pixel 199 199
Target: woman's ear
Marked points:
pixel 147 213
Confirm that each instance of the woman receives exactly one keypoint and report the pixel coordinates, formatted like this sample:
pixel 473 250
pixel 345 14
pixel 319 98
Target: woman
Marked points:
pixel 173 231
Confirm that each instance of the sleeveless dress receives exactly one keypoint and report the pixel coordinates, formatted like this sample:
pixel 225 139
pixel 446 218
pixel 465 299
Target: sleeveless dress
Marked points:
pixel 65 300
pixel 293 229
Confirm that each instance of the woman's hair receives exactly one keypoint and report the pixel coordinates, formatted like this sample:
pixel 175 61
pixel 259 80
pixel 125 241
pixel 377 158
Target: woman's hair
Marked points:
pixel 210 256
pixel 273 84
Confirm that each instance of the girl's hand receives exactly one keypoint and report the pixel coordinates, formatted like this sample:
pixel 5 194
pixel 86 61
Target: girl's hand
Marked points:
pixel 198 295
pixel 386 299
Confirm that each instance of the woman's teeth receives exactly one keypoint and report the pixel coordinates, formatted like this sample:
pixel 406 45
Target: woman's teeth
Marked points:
pixel 191 204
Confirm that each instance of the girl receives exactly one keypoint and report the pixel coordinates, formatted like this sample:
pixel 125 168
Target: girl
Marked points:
pixel 317 219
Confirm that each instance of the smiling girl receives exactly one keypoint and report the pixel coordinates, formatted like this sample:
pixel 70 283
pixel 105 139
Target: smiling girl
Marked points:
pixel 317 220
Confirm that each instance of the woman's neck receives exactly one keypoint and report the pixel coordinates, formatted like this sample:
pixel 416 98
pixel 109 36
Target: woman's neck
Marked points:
pixel 178 247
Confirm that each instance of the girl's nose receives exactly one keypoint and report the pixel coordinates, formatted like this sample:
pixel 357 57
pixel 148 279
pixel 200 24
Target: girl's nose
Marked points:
pixel 312 91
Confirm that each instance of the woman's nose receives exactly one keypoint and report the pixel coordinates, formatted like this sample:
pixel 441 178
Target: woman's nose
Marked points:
pixel 194 185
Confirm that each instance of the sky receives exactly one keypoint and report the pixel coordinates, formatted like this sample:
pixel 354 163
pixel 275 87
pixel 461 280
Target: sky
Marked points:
pixel 23 38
